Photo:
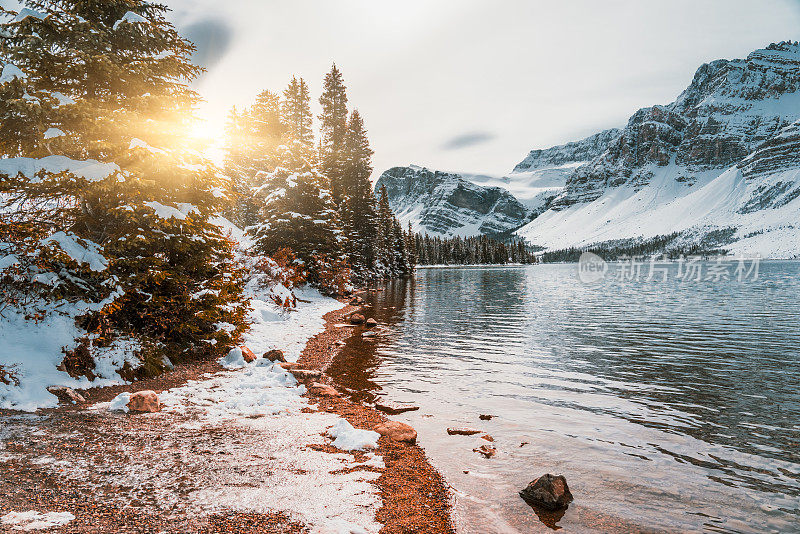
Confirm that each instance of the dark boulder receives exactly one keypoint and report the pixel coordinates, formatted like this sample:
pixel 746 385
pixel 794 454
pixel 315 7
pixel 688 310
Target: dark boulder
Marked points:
pixel 548 491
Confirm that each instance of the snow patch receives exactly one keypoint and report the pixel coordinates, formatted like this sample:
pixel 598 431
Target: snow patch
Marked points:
pixel 10 73
pixel 71 245
pixel 52 133
pixel 348 438
pixel 131 18
pixel 91 170
pixel 33 520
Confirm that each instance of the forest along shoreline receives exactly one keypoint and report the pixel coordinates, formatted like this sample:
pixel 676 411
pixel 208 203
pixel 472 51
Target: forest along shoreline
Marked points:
pixel 65 461
pixel 415 496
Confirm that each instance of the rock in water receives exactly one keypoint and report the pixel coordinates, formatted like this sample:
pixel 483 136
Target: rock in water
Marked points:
pixel 144 401
pixel 397 431
pixel 394 409
pixel 357 318
pixel 371 322
pixel 486 451
pixel 548 491
pixel 248 355
pixel 274 355
pixel 463 431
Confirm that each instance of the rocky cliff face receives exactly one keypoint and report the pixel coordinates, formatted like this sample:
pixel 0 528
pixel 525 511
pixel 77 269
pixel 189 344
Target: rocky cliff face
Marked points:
pixel 730 108
pixel 446 204
pixel 578 151
pixel 724 157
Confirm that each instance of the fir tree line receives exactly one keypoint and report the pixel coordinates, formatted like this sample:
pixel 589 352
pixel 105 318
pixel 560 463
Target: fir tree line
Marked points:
pixel 312 199
pixel 469 250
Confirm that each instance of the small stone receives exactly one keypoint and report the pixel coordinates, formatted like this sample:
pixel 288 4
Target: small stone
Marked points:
pixel 67 394
pixel 463 431
pixel 144 401
pixel 357 318
pixel 486 451
pixel 274 355
pixel 289 365
pixel 487 437
pixel 371 323
pixel 397 431
pixel 323 390
pixel 548 491
pixel 368 334
pixel 523 444
pixel 248 355
pixel 485 417
pixel 394 409
pixel 305 374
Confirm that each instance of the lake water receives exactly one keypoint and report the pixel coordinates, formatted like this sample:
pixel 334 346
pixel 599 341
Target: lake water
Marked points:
pixel 670 405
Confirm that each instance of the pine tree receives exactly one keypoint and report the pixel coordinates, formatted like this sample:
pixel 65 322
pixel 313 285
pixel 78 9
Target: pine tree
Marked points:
pixel 357 208
pixel 296 114
pixel 253 140
pixel 111 79
pixel 334 129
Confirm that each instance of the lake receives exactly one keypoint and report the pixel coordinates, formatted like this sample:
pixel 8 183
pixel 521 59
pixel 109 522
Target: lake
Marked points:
pixel 670 403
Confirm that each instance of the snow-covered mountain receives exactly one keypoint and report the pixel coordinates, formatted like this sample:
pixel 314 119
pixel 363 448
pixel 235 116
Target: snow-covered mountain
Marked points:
pixel 722 157
pixel 447 204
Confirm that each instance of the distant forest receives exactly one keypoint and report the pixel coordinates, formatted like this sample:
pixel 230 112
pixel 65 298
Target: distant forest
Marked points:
pixel 429 250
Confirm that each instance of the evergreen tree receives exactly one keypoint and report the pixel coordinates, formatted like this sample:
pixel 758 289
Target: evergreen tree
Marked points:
pixel 253 140
pixel 357 208
pixel 334 129
pixel 296 114
pixel 111 82
pixel 297 212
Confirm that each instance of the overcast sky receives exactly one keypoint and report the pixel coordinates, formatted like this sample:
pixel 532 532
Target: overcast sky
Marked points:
pixel 474 85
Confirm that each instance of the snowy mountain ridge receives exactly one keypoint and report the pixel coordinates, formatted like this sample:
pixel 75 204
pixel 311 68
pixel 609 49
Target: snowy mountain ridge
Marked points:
pixel 722 159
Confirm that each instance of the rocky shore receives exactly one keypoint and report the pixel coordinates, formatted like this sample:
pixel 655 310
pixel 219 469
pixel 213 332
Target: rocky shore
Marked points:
pixel 182 470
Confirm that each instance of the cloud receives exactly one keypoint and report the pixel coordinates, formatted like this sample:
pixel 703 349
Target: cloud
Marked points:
pixel 468 139
pixel 212 37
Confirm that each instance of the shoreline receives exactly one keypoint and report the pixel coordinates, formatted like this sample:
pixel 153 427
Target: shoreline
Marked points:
pixel 412 495
pixel 415 496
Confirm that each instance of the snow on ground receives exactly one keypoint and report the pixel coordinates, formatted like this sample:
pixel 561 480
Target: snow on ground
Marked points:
pixel 287 330
pixel 266 400
pixel 32 350
pixel 666 205
pixel 33 520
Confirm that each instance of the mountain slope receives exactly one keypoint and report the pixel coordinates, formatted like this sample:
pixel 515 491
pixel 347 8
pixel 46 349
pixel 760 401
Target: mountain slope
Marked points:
pixel 446 204
pixel 724 155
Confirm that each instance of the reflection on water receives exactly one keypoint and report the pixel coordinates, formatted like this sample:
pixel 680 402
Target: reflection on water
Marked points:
pixel 669 406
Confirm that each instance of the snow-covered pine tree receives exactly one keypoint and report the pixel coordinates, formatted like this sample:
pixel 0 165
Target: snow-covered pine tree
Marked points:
pixel 253 136
pixel 333 131
pixel 111 78
pixel 297 212
pixel 296 116
pixel 358 208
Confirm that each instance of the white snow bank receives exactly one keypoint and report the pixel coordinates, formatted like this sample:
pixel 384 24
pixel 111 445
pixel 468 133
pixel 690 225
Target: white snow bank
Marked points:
pixel 273 328
pixel 33 520
pixel 32 350
pixel 348 438
pixel 91 170
pixel 130 17
pixel 68 242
